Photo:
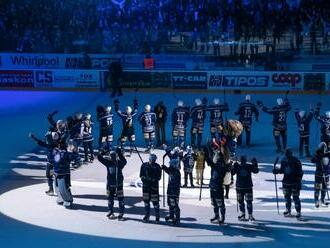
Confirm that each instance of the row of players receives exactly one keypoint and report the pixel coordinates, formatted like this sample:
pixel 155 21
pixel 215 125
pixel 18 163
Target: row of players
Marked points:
pixel 218 154
pixel 79 127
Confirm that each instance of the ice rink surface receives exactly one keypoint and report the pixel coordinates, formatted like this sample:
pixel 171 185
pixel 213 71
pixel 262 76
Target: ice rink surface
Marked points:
pixel 29 218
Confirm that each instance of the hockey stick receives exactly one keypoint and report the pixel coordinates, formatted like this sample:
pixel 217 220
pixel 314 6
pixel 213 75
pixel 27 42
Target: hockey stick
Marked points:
pixel 164 181
pixel 133 144
pixel 201 186
pixel 278 208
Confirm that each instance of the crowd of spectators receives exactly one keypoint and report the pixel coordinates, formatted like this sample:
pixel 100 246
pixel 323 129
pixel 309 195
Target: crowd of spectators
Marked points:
pixel 144 26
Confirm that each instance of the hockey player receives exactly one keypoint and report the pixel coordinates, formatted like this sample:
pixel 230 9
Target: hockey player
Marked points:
pixel 161 117
pixel 59 126
pixel 173 191
pixel 128 131
pixel 197 115
pixel 244 186
pixel 150 174
pixel 292 169
pixel 216 116
pixel 180 117
pixel 76 137
pixel 148 121
pixel 200 165
pixel 245 111
pixel 114 162
pixel 63 157
pixel 219 168
pixel 188 166
pixel 303 122
pixel 324 120
pixel 322 172
pixel 86 133
pixel 279 114
pixel 52 139
pixel 105 118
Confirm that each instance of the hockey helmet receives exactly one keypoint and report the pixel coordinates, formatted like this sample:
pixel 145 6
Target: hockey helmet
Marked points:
pixel 147 108
pixel 88 116
pixel 216 101
pixel 78 116
pixel 279 101
pixel 180 103
pixel 189 149
pixel 302 113
pixel 327 114
pixel 288 153
pixel 108 109
pixel 152 158
pixel 128 110
pixel 198 101
pixel 60 124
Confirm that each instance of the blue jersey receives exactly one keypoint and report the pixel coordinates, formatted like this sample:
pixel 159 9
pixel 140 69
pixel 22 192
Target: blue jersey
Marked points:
pixel 279 114
pixel 304 123
pixel 189 162
pixel 62 160
pixel 148 120
pixel 127 119
pixel 180 117
pixel 198 114
pixel 245 111
pixel 106 121
pixel 174 181
pixel 325 127
pixel 216 113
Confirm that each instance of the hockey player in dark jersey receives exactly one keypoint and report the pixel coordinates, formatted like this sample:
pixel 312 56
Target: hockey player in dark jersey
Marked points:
pixel 105 119
pixel 173 191
pixel 322 172
pixel 115 163
pixel 291 168
pixel 86 133
pixel 188 166
pixel 324 120
pixel 59 126
pixel 198 115
pixel 150 174
pixel 76 137
pixel 127 118
pixel 279 114
pixel 63 156
pixel 52 139
pixel 244 185
pixel 245 111
pixel 148 121
pixel 303 121
pixel 215 159
pixel 216 116
pixel 180 118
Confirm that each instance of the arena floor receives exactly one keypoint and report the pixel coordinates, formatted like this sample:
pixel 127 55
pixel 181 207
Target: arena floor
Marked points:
pixel 31 218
